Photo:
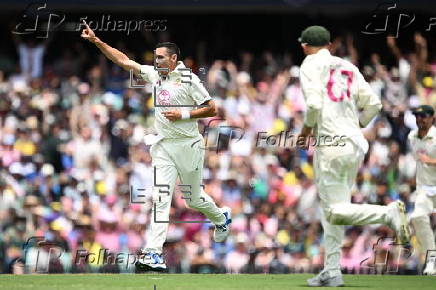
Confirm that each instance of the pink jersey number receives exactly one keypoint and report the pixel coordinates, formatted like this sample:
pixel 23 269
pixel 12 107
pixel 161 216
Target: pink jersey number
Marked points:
pixel 349 75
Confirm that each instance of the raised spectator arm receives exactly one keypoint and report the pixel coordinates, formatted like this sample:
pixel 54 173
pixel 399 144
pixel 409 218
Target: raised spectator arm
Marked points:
pixel 354 56
pixel 421 51
pixel 392 44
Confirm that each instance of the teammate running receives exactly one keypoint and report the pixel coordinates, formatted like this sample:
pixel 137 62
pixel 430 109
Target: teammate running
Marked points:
pixel 423 144
pixel 339 102
pixel 178 149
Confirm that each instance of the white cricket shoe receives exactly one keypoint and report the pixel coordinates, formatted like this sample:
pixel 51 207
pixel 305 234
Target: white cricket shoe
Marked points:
pixel 397 221
pixel 430 267
pixel 221 232
pixel 324 279
pixel 150 261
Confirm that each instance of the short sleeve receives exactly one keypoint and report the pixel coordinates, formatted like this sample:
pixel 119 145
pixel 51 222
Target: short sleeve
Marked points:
pixel 411 143
pixel 198 91
pixel 148 73
pixel 366 96
pixel 312 92
pixel 367 100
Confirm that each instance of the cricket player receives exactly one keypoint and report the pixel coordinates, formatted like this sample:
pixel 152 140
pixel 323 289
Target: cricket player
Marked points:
pixel 423 145
pixel 339 102
pixel 178 148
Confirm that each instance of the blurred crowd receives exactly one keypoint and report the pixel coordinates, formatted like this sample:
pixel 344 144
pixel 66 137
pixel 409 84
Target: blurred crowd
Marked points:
pixel 75 174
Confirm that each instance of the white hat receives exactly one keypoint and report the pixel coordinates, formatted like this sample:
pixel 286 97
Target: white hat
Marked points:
pixel 83 88
pixel 243 78
pixel 241 238
pixel 47 169
pixel 16 168
pixel 8 139
pixel 295 71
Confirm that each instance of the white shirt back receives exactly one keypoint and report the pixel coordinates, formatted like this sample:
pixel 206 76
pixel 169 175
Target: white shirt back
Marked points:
pixel 337 96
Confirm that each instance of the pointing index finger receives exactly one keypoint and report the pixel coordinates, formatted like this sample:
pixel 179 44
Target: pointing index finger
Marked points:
pixel 84 22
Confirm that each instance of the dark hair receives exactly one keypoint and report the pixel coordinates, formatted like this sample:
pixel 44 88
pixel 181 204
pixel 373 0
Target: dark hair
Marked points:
pixel 171 47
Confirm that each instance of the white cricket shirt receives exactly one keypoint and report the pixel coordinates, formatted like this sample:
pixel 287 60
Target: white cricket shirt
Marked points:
pixel 425 173
pixel 337 97
pixel 180 87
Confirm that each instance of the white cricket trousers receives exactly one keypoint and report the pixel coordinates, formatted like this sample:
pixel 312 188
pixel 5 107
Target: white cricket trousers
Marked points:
pixel 335 170
pixel 424 205
pixel 183 158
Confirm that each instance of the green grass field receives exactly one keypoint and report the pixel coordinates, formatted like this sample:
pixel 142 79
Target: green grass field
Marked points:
pixel 203 282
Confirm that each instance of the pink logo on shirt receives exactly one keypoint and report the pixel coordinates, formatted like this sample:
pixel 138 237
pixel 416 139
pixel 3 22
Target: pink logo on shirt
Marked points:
pixel 164 97
pixel 331 82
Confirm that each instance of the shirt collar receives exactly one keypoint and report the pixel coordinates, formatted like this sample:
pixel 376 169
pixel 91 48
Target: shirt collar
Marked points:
pixel 177 72
pixel 430 134
pixel 321 52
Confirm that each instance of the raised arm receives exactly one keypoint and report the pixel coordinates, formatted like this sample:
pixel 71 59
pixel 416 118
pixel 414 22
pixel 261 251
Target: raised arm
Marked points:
pixel 111 53
pixel 392 44
pixel 421 51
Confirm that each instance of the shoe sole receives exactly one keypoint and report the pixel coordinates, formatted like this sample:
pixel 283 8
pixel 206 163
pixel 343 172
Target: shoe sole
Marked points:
pixel 330 285
pixel 146 268
pixel 428 272
pixel 404 237
pixel 324 284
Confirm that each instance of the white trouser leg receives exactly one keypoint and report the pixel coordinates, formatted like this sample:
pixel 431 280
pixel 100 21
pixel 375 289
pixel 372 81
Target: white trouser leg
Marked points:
pixel 333 236
pixel 333 188
pixel 336 171
pixel 163 188
pixel 420 219
pixel 339 170
pixel 189 159
pixel 357 214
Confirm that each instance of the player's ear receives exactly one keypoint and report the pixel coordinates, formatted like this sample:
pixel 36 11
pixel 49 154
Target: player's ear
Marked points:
pixel 174 57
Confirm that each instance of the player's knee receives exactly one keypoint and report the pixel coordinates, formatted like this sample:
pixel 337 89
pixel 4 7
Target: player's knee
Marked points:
pixel 195 203
pixel 334 217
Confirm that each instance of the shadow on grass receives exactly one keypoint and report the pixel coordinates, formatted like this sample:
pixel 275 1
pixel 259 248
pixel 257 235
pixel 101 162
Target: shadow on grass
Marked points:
pixel 346 286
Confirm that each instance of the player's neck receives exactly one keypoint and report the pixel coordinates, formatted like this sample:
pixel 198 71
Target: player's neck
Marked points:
pixel 423 132
pixel 314 49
